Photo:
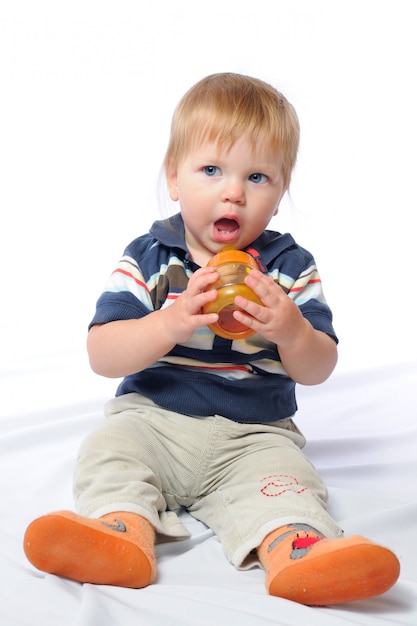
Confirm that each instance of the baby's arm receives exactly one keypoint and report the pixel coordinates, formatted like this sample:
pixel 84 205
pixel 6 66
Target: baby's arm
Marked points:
pixel 124 347
pixel 308 355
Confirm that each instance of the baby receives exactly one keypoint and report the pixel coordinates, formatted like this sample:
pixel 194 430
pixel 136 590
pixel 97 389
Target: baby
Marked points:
pixel 201 421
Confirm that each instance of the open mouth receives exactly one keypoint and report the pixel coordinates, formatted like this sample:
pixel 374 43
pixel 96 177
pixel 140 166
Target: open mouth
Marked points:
pixel 226 229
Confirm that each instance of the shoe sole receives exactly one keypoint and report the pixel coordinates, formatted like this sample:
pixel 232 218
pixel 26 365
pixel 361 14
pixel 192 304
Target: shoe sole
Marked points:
pixel 85 552
pixel 354 571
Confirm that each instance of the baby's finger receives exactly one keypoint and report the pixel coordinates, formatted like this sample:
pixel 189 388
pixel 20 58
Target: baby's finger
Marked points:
pixel 202 279
pixel 265 288
pixel 253 309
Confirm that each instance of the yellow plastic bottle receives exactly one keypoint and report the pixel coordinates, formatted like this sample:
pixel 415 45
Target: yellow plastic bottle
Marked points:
pixel 232 266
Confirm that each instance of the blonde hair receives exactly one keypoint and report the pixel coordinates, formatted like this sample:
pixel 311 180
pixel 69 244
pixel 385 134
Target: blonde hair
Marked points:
pixel 222 107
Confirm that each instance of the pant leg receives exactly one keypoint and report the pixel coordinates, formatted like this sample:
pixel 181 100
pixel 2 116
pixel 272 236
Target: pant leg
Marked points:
pixel 258 479
pixel 143 459
pixel 122 466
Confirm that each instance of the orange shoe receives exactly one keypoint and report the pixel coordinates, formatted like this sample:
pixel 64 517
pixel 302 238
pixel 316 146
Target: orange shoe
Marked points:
pixel 304 567
pixel 117 549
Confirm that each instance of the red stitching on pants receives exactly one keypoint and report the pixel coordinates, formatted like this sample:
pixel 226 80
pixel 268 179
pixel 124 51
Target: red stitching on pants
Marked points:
pixel 280 483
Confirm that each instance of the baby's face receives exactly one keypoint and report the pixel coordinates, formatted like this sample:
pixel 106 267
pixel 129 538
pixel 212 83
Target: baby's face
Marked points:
pixel 227 196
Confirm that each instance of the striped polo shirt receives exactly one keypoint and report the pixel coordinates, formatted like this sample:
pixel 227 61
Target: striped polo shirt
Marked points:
pixel 244 379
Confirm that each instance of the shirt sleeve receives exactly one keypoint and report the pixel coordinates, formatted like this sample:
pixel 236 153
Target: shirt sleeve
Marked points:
pixel 126 295
pixel 307 292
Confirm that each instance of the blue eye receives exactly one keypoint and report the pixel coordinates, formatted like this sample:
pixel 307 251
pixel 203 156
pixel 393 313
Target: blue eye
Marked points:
pixel 256 177
pixel 211 170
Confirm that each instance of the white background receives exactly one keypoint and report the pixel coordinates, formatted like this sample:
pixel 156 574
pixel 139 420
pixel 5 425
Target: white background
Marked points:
pixel 87 92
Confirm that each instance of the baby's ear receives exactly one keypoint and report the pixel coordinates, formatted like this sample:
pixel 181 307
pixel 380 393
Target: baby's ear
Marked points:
pixel 171 176
pixel 282 195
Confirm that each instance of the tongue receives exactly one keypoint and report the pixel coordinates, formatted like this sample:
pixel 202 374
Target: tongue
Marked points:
pixel 227 225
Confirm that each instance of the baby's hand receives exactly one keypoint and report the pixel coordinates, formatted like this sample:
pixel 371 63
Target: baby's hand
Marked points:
pixel 279 319
pixel 185 313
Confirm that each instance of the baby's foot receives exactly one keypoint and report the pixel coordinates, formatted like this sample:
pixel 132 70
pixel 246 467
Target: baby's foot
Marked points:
pixel 117 549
